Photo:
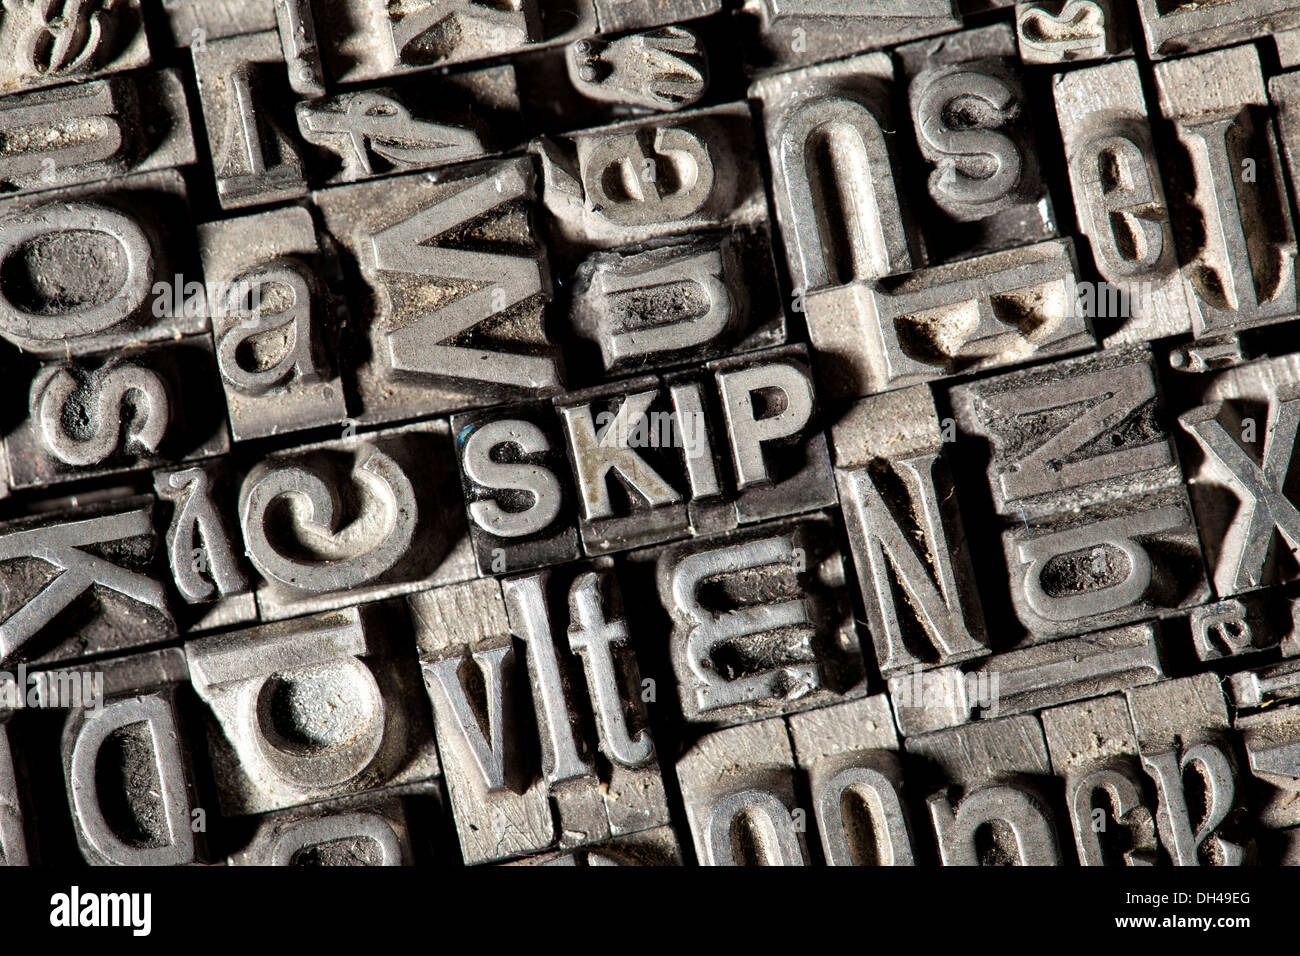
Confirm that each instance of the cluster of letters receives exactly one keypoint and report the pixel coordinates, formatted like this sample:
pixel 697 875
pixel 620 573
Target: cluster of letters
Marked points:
pixel 617 432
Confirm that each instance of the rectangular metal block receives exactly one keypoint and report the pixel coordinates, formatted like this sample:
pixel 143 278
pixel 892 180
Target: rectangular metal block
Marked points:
pixel 1093 748
pixel 138 228
pixel 247 109
pixel 909 544
pixel 792 32
pixel 172 417
pixel 965 46
pixel 689 171
pixel 1081 667
pixel 1175 27
pixel 744 772
pixel 1088 734
pixel 315 708
pixel 1271 740
pixel 92 131
pixel 1026 680
pixel 450 618
pixel 274 323
pixel 949 319
pixel 983 752
pixel 1178 712
pixel 1103 116
pixel 761 622
pixel 891 426
pixel 519 496
pixel 1244 273
pixel 827 738
pixel 987 772
pixel 444 321
pixel 1073 434
pixel 849 751
pixel 89 686
pixel 1284 95
pixel 195 22
pixel 619 16
pixel 384 519
pixel 47 46
pixel 1287 44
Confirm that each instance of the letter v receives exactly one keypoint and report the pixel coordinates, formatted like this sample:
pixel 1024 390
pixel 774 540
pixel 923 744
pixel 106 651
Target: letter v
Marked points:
pixel 452 705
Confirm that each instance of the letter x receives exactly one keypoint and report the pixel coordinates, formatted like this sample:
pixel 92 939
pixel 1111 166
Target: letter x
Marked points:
pixel 1263 505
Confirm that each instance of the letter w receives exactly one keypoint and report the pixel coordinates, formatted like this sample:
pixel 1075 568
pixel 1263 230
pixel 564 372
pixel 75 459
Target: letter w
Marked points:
pixel 503 281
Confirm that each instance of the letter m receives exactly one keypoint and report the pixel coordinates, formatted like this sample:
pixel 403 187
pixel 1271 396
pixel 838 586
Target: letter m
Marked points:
pixel 495 281
pixel 116 909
